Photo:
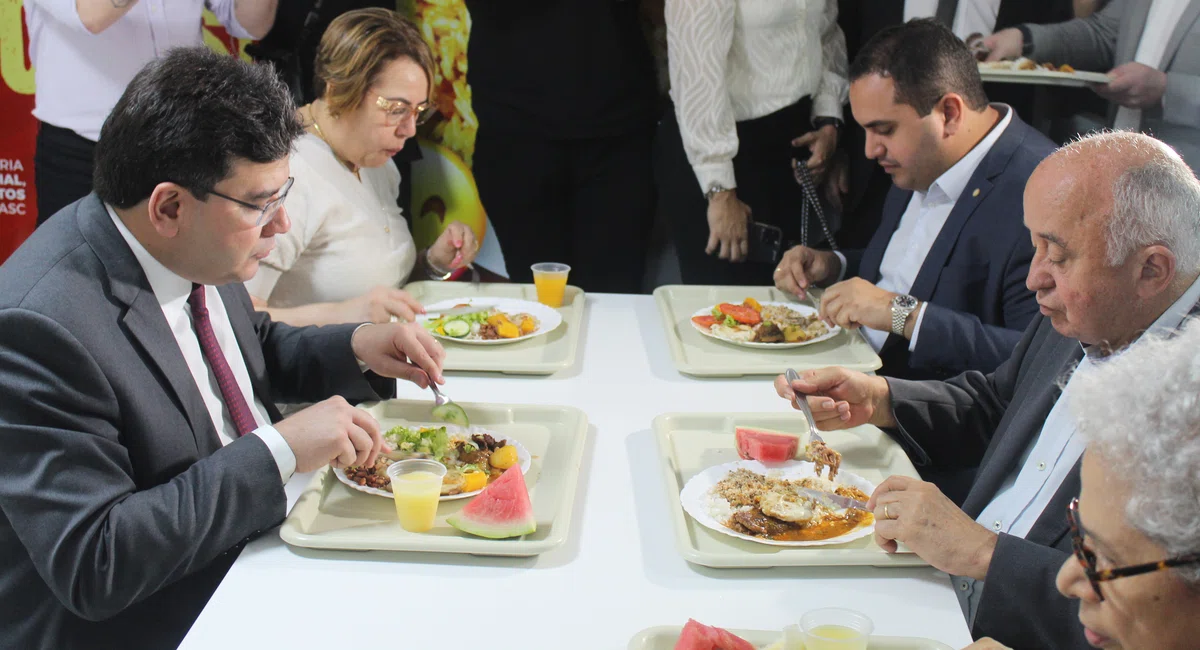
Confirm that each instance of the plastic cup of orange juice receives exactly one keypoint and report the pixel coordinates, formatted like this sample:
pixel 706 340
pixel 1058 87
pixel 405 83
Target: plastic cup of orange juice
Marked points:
pixel 550 280
pixel 836 628
pixel 416 489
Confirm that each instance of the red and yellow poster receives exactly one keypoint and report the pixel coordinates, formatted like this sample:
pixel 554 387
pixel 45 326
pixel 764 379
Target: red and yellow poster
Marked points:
pixel 18 129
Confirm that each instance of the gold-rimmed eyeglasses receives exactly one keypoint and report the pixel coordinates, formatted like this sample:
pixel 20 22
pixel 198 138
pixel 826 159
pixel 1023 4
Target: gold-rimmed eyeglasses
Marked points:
pixel 399 110
pixel 265 212
pixel 1087 558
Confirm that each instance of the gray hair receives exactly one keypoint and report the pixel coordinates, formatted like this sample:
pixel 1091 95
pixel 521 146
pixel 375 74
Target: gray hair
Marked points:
pixel 1140 411
pixel 1156 198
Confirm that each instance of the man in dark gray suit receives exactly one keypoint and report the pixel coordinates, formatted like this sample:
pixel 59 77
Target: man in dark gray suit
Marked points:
pixel 1115 220
pixel 1151 52
pixel 140 444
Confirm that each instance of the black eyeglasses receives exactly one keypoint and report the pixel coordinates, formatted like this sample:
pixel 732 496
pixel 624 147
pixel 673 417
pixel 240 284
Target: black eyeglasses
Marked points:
pixel 1087 558
pixel 266 212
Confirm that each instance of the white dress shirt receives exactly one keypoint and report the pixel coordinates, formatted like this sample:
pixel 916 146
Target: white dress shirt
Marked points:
pixel 970 16
pixel 1023 497
pixel 1160 23
pixel 922 222
pixel 736 60
pixel 79 76
pixel 172 292
pixel 347 236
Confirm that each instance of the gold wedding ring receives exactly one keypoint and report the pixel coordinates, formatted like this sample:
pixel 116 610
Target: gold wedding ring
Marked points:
pixel 886 514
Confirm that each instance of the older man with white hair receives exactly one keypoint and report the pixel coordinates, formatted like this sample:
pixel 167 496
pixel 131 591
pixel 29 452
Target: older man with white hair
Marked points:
pixel 1115 221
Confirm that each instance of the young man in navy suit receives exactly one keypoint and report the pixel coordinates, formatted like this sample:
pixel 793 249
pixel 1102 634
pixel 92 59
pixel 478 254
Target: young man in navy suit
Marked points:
pixel 941 287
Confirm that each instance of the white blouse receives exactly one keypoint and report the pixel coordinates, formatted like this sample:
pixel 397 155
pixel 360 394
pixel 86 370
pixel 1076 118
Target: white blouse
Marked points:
pixel 346 237
pixel 735 60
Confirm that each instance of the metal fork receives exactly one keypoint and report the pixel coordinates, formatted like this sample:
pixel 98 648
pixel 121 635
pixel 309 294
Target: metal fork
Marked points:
pixel 801 402
pixel 474 276
pixel 438 397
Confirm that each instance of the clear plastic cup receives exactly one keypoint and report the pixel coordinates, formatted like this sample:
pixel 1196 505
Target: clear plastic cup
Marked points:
pixel 836 628
pixel 416 489
pixel 550 280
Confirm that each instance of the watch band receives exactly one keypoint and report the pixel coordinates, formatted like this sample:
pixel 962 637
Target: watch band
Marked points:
pixel 819 122
pixel 714 190
pixel 1026 39
pixel 902 307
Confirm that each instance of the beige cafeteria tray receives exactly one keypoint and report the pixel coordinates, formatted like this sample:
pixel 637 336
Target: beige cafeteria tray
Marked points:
pixel 696 354
pixel 664 638
pixel 331 515
pixel 542 355
pixel 688 443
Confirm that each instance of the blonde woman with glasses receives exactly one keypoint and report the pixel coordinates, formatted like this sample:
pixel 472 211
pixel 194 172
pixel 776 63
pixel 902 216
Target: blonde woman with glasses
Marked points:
pixel 349 248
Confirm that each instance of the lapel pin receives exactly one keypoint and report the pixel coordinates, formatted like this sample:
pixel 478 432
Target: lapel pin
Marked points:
pixel 975 193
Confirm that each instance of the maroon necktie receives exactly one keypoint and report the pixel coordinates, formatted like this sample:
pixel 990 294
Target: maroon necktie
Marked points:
pixel 239 411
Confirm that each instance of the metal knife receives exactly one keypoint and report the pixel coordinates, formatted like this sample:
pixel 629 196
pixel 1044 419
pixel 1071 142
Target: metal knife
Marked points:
pixel 456 311
pixel 802 404
pixel 830 498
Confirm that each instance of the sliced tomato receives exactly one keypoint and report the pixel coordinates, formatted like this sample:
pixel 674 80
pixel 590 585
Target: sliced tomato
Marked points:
pixel 741 313
pixel 704 321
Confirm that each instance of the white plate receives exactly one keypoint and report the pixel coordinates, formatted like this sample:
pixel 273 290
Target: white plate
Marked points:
pixel 695 497
pixel 803 309
pixel 1003 74
pixel 523 458
pixel 548 317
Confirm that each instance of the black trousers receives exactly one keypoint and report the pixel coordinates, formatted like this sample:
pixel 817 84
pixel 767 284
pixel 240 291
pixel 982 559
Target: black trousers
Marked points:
pixel 764 182
pixel 62 169
pixel 587 203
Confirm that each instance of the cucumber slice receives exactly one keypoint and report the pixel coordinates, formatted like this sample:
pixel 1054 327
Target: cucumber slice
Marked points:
pixel 456 328
pixel 451 413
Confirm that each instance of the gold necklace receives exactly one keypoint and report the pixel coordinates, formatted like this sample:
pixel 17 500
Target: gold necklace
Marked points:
pixel 312 116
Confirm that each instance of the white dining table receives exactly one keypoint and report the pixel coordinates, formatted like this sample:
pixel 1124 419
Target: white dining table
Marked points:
pixel 619 571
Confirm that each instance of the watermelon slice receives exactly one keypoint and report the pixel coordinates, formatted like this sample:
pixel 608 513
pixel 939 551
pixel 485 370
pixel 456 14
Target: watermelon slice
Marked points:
pixel 501 510
pixel 768 446
pixel 697 636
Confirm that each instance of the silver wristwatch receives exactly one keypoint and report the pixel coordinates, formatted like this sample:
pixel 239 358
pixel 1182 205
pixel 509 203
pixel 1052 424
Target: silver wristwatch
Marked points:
pixel 714 190
pixel 902 306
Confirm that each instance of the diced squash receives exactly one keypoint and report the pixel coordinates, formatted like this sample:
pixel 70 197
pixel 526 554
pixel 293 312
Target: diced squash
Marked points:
pixel 496 320
pixel 528 326
pixel 474 481
pixel 753 304
pixel 507 330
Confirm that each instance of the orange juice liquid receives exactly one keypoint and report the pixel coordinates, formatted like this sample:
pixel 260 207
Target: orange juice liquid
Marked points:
pixel 416 495
pixel 834 637
pixel 550 288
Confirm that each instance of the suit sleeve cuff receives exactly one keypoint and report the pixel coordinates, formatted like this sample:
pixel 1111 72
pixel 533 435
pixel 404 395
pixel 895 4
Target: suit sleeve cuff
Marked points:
pixel 912 345
pixel 285 458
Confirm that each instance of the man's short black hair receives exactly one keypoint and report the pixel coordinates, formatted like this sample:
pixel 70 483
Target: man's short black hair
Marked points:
pixel 185 118
pixel 925 61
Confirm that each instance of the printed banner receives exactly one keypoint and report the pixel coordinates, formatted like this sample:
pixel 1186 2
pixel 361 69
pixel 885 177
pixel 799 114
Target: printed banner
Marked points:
pixel 18 130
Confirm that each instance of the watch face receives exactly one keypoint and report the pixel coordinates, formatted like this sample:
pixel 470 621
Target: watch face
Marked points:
pixel 905 302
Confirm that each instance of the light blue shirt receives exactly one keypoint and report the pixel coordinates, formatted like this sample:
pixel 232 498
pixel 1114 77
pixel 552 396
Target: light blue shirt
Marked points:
pixel 1023 497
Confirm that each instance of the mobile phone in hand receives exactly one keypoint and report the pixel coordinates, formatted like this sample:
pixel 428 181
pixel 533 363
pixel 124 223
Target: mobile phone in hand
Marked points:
pixel 766 243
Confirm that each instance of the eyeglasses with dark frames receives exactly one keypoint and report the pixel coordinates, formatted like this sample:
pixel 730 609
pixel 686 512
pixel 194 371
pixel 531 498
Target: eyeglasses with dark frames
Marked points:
pixel 398 110
pixel 266 212
pixel 1087 558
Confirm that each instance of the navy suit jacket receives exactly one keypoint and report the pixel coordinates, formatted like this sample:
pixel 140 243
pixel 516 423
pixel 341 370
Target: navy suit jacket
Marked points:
pixel 973 277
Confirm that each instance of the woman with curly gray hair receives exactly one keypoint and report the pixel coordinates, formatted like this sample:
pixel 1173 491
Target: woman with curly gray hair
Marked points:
pixel 1136 523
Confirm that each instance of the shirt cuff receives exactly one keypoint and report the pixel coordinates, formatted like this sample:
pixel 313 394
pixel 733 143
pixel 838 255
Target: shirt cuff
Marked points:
pixel 281 451
pixel 842 259
pixel 710 174
pixel 912 345
pixel 362 367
